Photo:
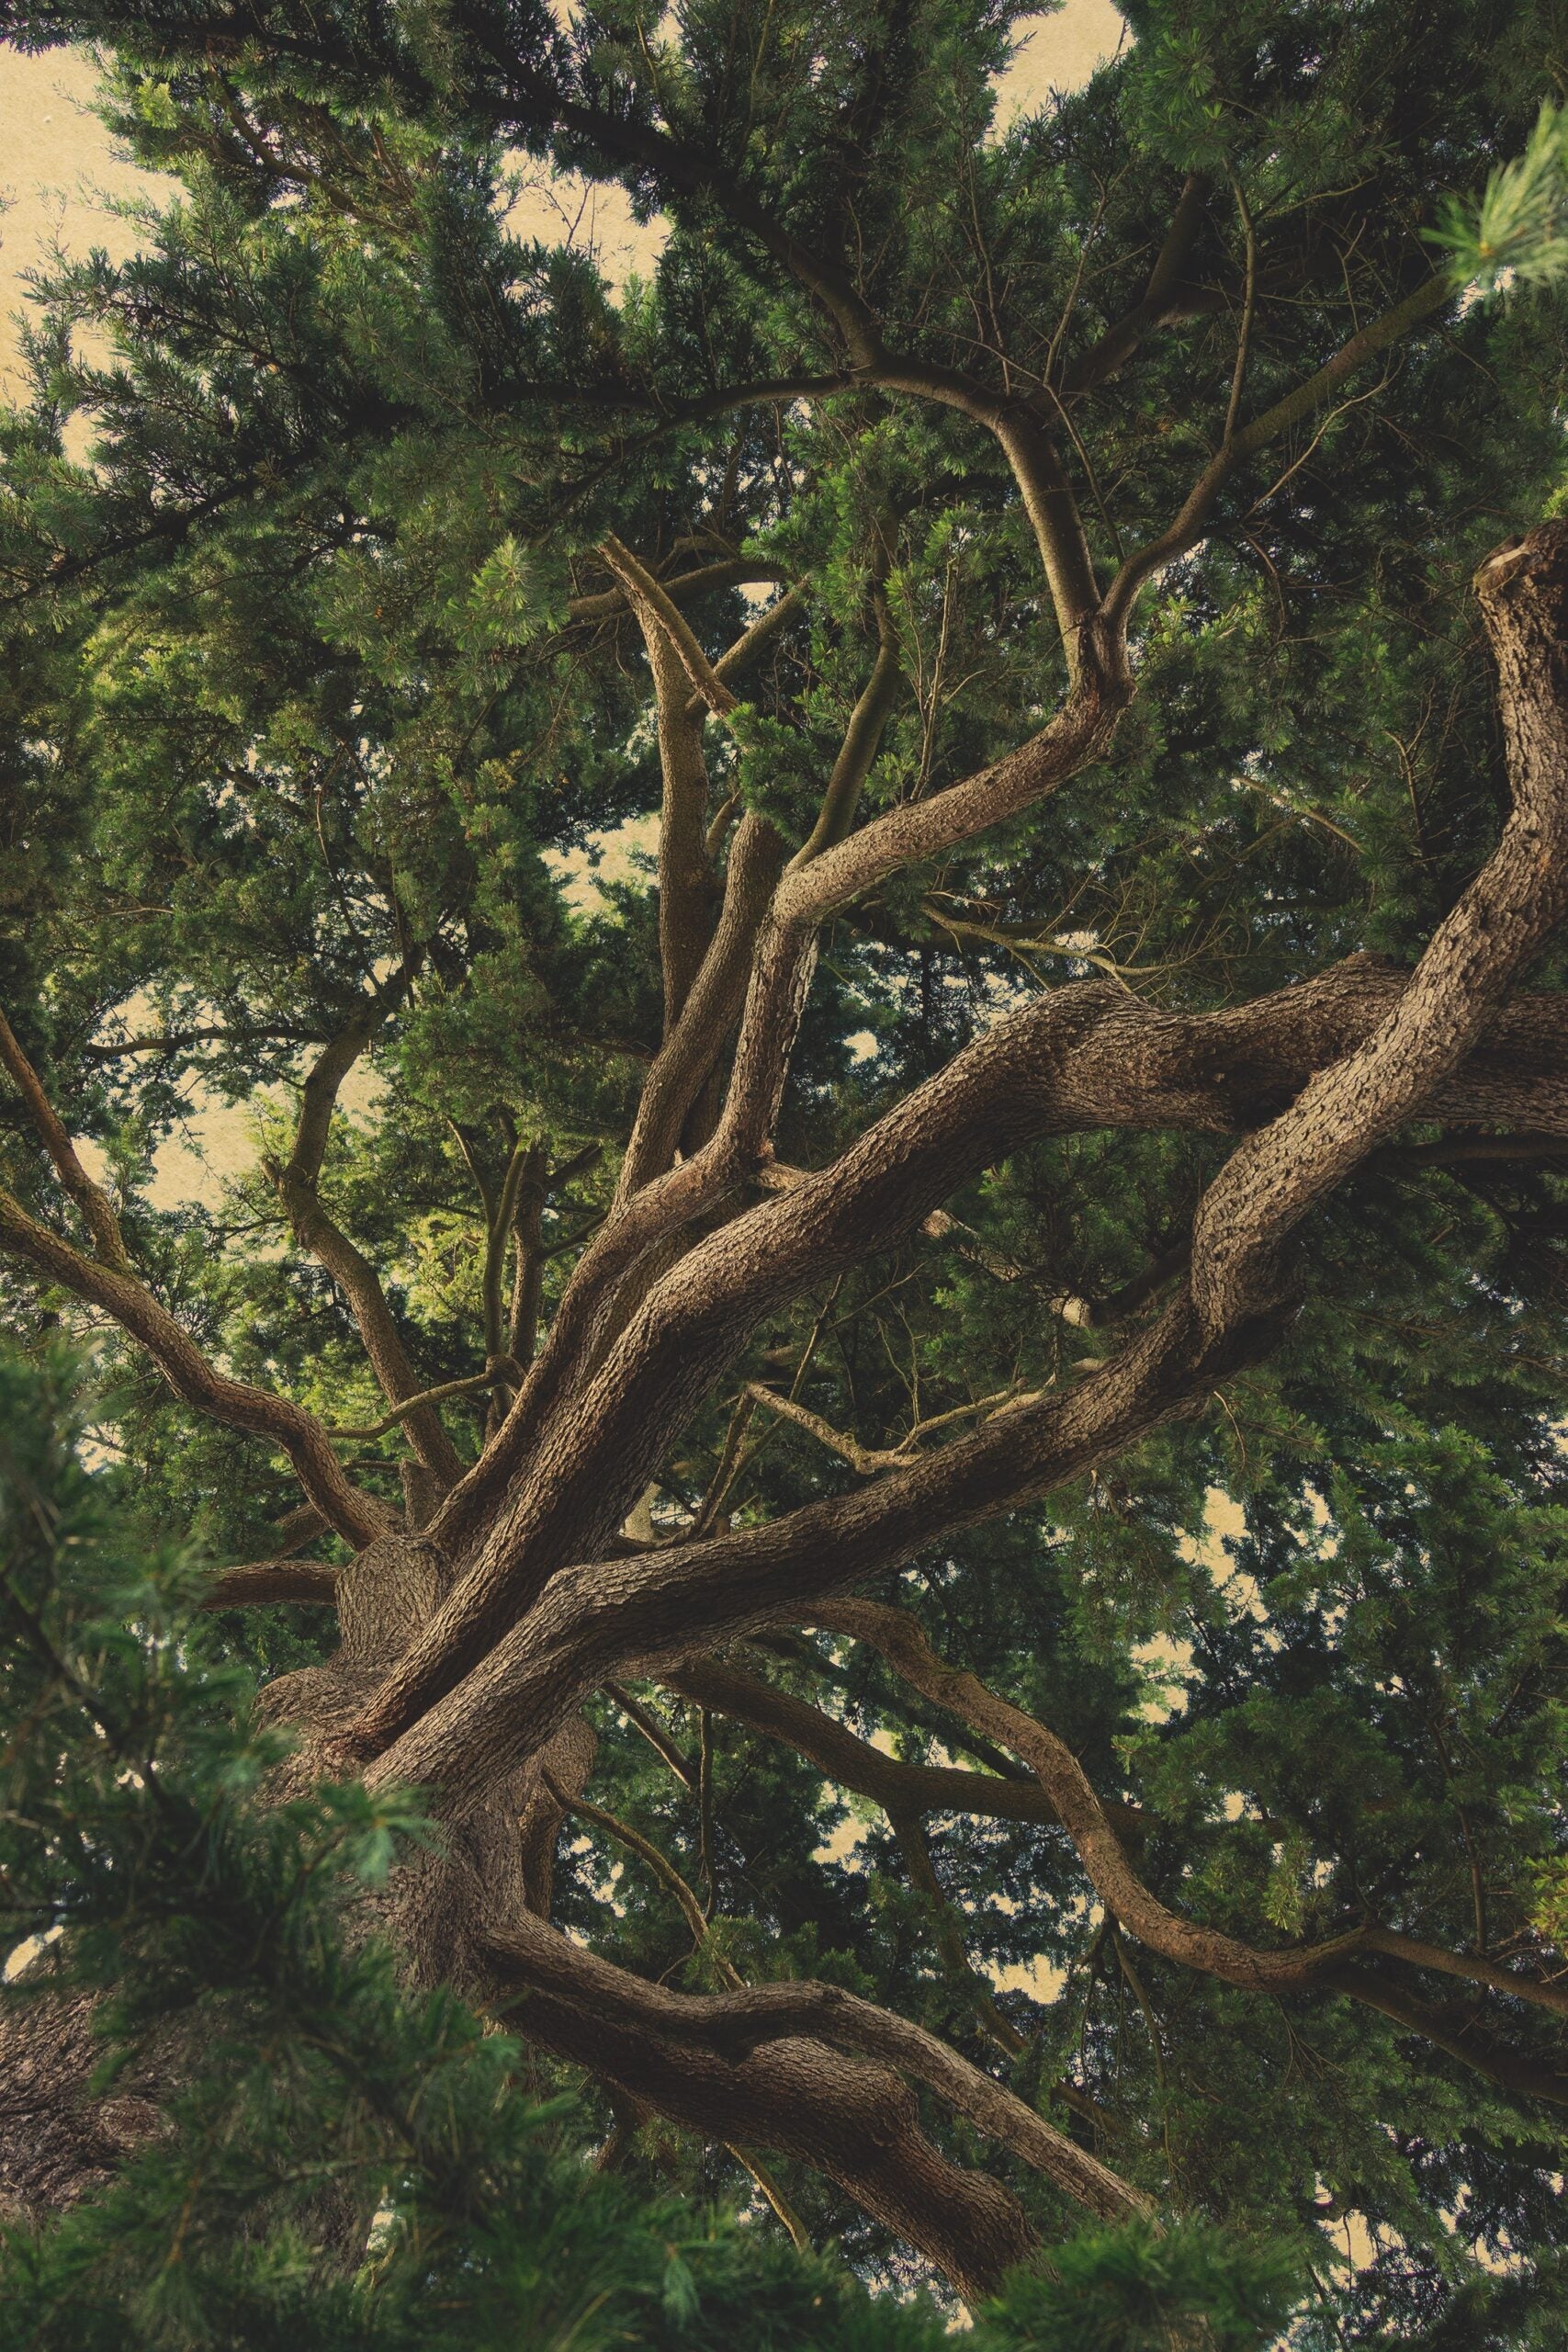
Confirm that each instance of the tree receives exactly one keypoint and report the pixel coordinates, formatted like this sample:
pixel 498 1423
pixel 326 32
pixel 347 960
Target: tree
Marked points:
pixel 1080 1065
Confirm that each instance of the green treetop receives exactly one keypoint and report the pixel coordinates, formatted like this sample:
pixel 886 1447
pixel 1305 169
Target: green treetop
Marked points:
pixel 880 912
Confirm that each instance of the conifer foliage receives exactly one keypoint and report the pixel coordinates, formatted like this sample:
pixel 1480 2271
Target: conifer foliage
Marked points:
pixel 834 1576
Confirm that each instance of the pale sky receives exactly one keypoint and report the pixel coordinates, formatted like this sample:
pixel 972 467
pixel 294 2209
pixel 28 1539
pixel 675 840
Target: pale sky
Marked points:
pixel 59 165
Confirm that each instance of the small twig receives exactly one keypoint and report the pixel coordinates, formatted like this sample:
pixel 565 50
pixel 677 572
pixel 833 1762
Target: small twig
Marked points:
pixel 774 2194
pixel 705 1809
pixel 910 1831
pixel 1316 816
pixel 1248 303
pixel 662 1868
pixel 719 1483
pixel 504 1366
pixel 750 643
pixel 653 1731
pixel 869 1459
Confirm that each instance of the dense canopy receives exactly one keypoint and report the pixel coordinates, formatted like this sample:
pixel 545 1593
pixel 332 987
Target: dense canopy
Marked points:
pixel 854 1505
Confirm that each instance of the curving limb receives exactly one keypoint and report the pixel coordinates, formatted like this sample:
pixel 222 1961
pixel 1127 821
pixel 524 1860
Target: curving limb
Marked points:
pixel 1475 956
pixel 767 2063
pixel 95 1208
pixel 900 1789
pixel 898 1637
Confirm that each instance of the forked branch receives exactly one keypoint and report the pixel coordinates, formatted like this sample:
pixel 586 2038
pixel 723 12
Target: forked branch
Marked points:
pixel 733 2027
pixel 1087 1056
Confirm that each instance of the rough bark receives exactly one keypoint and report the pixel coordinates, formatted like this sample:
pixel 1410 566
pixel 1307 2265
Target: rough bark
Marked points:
pixel 732 2027
pixel 595 1620
pixel 57 2143
pixel 853 2121
pixel 1475 956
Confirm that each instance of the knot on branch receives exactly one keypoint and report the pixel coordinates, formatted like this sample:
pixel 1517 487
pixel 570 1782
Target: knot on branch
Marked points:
pixel 388 1593
pixel 1522 589
pixel 1536 561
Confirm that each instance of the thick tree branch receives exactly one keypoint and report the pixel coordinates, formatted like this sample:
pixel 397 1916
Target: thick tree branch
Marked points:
pixel 674 1083
pixel 759 2013
pixel 317 1097
pixel 1540 1992
pixel 1088 1056
pixel 256 1581
pixel 923 829
pixel 780 975
pixel 736 2030
pixel 846 2117
pixel 898 1638
pixel 1475 956
pixel 597 1618
pixel 685 877
pixel 1461 2034
pixel 711 1008
pixel 1042 486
